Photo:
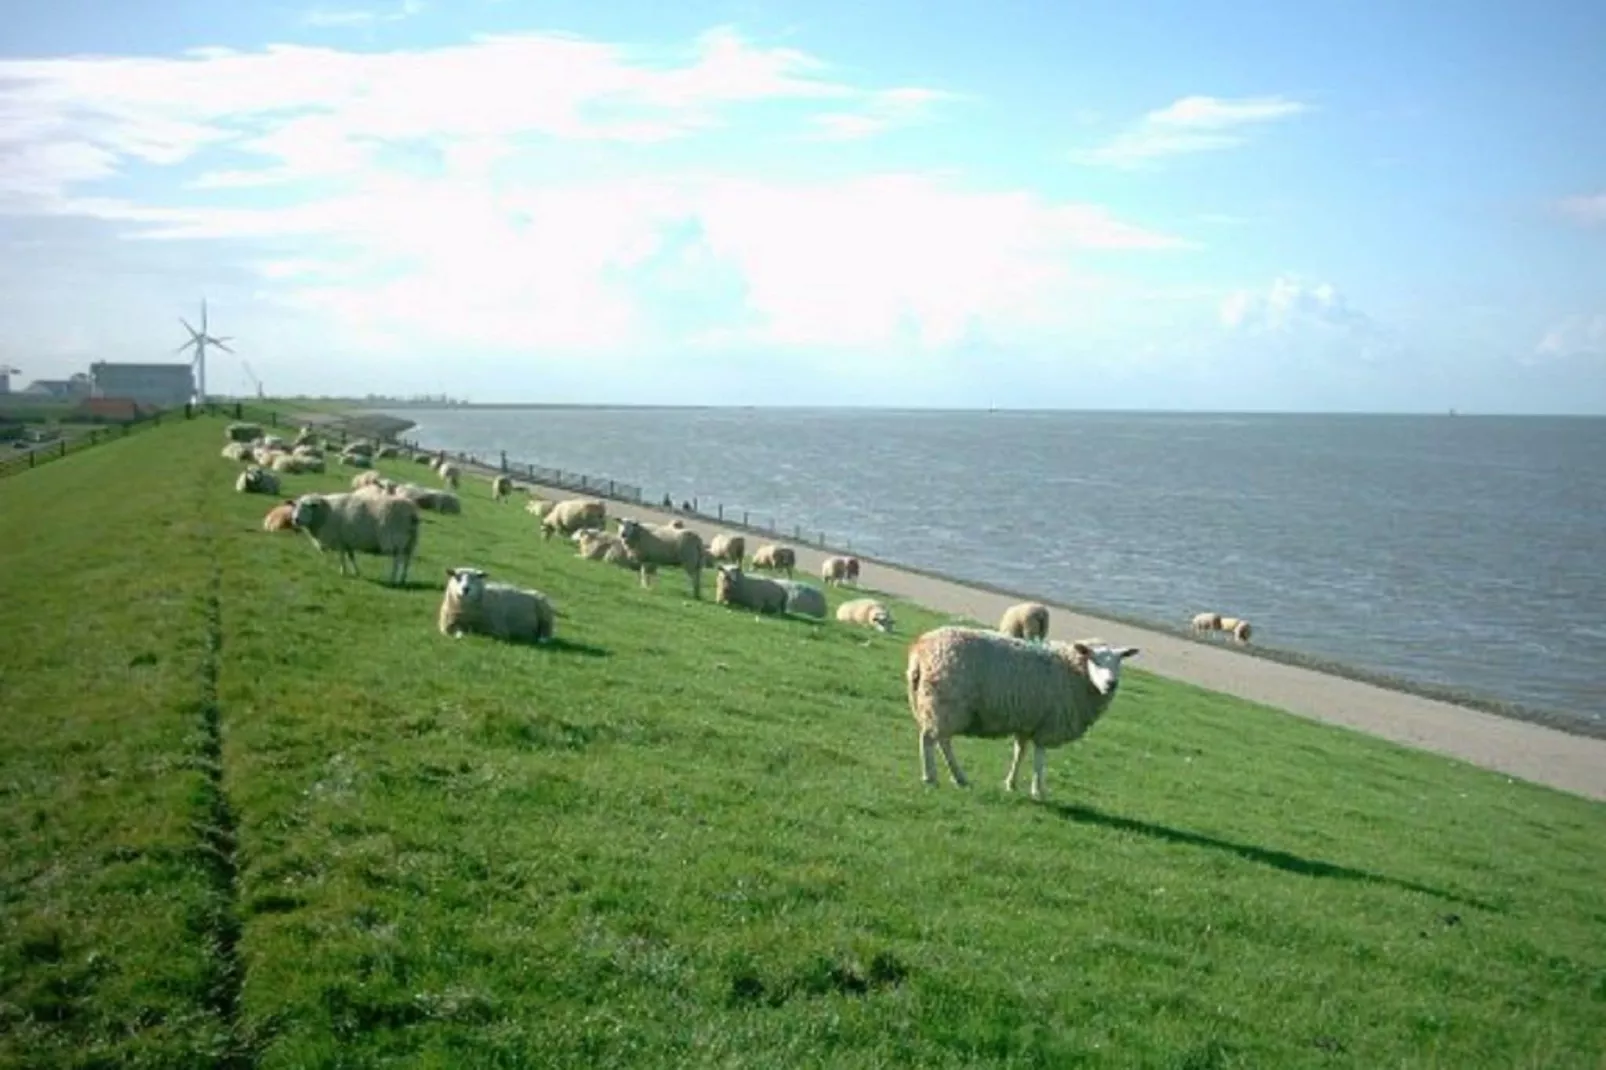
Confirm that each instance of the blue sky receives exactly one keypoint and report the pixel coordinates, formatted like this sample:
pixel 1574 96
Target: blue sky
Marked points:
pixel 1206 205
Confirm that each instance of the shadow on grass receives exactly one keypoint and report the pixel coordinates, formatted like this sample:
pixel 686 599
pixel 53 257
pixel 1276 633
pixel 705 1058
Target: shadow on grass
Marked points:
pixel 559 645
pixel 1266 856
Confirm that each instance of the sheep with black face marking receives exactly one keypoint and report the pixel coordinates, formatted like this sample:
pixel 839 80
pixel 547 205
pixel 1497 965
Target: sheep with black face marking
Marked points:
pixel 572 514
pixel 733 587
pixel 472 603
pixel 1025 620
pixel 775 558
pixel 501 487
pixel 1236 627
pixel 361 522
pixel 866 611
pixel 665 546
pixel 731 548
pixel 256 480
pixel 450 474
pixel 975 682
pixel 839 570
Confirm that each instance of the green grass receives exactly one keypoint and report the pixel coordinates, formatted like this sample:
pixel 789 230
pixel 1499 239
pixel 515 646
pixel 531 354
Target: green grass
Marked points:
pixel 249 805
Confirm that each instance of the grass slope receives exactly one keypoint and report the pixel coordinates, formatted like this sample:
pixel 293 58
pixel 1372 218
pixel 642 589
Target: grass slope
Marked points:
pixel 688 837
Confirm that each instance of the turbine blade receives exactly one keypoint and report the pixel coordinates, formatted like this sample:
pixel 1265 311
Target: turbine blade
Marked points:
pixel 187 326
pixel 185 346
pixel 219 343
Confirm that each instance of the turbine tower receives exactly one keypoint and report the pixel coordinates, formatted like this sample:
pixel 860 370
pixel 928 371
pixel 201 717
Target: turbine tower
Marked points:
pixel 200 340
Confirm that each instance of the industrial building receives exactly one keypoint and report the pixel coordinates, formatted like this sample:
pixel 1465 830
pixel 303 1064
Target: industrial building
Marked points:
pixel 161 385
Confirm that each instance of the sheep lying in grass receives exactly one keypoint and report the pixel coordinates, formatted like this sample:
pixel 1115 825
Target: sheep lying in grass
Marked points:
pixel 866 611
pixel 471 603
pixel 370 478
pixel 242 432
pixel 733 587
pixel 804 600
pixel 1206 622
pixel 732 548
pixel 237 451
pixel 501 487
pixel 975 682
pixel 361 522
pixel 670 547
pixel 1236 627
pixel 605 546
pixel 291 464
pixel 775 558
pixel 572 514
pixel 839 570
pixel 1025 620
pixel 356 460
pixel 450 474
pixel 281 517
pixel 256 480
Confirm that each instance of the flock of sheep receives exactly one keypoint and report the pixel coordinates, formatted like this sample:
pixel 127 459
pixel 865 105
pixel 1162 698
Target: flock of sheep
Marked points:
pixel 1011 682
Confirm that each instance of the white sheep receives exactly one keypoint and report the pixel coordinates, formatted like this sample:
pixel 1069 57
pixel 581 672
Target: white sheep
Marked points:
pixel 501 487
pixel 539 507
pixel 256 480
pixel 672 547
pixel 974 682
pixel 361 522
pixel 438 501
pixel 449 474
pixel 1236 627
pixel 237 451
pixel 471 603
pixel 804 600
pixel 369 478
pixel 775 558
pixel 866 611
pixel 605 546
pixel 839 570
pixel 572 514
pixel 731 548
pixel 733 587
pixel 1206 622
pixel 1025 620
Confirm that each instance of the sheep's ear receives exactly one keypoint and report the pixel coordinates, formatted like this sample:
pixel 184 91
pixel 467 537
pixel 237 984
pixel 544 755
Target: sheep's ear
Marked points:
pixel 1129 652
pixel 451 572
pixel 1082 649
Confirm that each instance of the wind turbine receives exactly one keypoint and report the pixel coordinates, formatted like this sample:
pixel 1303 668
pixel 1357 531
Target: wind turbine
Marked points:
pixel 200 340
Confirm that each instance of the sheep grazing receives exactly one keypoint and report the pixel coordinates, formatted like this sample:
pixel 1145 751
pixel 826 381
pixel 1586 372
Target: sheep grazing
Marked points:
pixel 1206 622
pixel 501 487
pixel 975 682
pixel 733 587
pixel 775 558
pixel 450 474
pixel 866 611
pixel 671 547
pixel 839 570
pixel 471 603
pixel 242 432
pixel 281 517
pixel 1237 628
pixel 361 522
pixel 605 546
pixel 732 548
pixel 1026 620
pixel 572 514
pixel 803 600
pixel 256 480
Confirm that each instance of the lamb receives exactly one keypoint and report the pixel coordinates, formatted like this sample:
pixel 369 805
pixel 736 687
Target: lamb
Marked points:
pixel 974 682
pixel 256 480
pixel 865 611
pixel 665 546
pixel 1025 620
pixel 604 546
pixel 733 587
pixel 732 548
pixel 1236 627
pixel 280 517
pixel 361 522
pixel 1206 622
pixel 449 474
pixel 803 600
pixel 473 604
pixel 839 570
pixel 775 558
pixel 572 514
pixel 501 487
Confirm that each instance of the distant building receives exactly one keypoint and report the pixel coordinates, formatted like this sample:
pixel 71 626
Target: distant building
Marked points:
pixel 58 389
pixel 111 410
pixel 159 385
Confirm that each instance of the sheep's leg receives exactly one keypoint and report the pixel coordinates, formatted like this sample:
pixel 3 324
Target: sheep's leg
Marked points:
pixel 1014 763
pixel 1039 757
pixel 644 582
pixel 928 758
pixel 953 763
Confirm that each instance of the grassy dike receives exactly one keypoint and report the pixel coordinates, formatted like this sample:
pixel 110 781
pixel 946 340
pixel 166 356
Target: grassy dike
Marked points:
pixel 258 814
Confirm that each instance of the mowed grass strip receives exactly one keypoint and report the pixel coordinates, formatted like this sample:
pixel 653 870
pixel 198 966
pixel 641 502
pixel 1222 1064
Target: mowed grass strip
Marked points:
pixel 113 916
pixel 684 836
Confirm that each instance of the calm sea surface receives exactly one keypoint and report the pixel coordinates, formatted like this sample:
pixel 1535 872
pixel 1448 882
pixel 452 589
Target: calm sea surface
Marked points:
pixel 1465 551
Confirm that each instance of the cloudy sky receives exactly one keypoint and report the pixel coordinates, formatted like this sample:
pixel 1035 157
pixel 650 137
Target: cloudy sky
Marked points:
pixel 1375 206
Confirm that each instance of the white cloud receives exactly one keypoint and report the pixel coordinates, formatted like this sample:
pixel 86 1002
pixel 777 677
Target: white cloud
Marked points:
pixel 1295 316
pixel 883 111
pixel 1588 210
pixel 328 18
pixel 1574 337
pixel 1190 125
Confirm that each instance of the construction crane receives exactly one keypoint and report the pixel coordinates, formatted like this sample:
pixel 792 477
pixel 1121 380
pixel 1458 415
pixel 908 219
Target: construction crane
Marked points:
pixel 252 376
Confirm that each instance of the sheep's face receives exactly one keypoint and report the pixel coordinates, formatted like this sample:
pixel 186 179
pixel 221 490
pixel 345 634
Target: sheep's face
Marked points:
pixel 309 511
pixel 881 620
pixel 468 584
pixel 629 530
pixel 1104 664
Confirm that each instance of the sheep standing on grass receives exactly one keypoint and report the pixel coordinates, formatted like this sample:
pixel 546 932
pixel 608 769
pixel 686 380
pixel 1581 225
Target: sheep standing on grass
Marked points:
pixel 670 547
pixel 501 487
pixel 975 682
pixel 839 570
pixel 866 611
pixel 538 507
pixel 449 474
pixel 256 480
pixel 803 600
pixel 733 587
pixel 1026 620
pixel 361 522
pixel 1236 627
pixel 731 548
pixel 281 517
pixel 775 558
pixel 572 514
pixel 471 603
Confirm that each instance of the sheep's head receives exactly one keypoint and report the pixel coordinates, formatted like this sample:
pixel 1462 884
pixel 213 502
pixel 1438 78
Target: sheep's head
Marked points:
pixel 725 580
pixel 309 511
pixel 466 583
pixel 853 568
pixel 629 530
pixel 880 619
pixel 1102 663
